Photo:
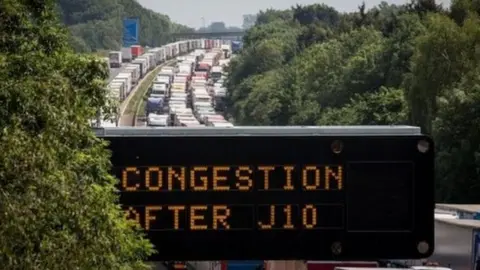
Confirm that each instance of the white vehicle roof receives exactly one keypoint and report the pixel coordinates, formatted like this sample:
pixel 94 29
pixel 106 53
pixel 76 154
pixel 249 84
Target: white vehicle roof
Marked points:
pixel 215 117
pixel 166 72
pixel 202 103
pixel 108 124
pixel 185 116
pixel 179 107
pixel 183 111
pixel 199 91
pixel 189 122
pixel 160 84
pixel 130 66
pixel 157 116
pixel 123 74
pixel 179 103
pixel 199 85
pixel 157 120
pixel 222 124
pixel 178 96
pixel 217 69
pixel 177 91
pixel 120 80
pixel 162 79
pixel 204 111
pixel 207 111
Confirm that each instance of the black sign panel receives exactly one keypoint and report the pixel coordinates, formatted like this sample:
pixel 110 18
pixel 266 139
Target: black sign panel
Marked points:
pixel 274 197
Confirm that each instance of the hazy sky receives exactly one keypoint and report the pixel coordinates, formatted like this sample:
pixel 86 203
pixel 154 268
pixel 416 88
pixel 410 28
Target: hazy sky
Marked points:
pixel 190 12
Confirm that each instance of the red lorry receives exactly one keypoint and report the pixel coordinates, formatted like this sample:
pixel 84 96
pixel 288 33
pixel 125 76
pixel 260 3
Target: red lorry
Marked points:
pixel 137 50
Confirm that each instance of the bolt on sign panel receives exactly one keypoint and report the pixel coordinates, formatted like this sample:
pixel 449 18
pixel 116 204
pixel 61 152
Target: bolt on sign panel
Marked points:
pixel 310 194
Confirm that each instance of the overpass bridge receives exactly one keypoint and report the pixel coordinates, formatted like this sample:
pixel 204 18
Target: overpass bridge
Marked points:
pixel 212 35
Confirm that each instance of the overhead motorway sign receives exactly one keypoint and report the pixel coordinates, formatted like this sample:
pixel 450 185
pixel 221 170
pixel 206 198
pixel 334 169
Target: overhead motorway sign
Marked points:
pixel 272 193
pixel 131 32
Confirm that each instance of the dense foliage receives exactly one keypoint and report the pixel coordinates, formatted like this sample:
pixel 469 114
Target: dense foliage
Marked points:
pixel 97 24
pixel 412 64
pixel 58 205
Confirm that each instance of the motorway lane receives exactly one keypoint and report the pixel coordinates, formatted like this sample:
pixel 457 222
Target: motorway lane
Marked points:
pixel 126 118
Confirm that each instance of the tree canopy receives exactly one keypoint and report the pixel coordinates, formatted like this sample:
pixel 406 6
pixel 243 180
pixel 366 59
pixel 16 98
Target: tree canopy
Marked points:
pixel 97 24
pixel 412 64
pixel 58 206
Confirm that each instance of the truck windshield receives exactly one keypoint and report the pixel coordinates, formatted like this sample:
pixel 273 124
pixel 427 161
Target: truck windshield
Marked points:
pixel 158 92
pixel 216 74
pixel 203 99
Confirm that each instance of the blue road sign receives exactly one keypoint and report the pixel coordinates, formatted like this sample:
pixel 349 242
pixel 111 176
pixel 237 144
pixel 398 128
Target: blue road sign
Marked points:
pixel 131 30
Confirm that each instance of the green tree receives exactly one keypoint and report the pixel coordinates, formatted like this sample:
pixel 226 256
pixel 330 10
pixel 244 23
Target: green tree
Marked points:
pixel 385 107
pixel 99 23
pixel 443 54
pixel 58 205
pixel 413 64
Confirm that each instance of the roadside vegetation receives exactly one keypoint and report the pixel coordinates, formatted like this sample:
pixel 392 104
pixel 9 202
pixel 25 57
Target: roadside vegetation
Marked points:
pixel 58 205
pixel 416 64
pixel 97 25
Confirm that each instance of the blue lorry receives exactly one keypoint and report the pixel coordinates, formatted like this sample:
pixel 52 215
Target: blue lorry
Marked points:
pixel 154 105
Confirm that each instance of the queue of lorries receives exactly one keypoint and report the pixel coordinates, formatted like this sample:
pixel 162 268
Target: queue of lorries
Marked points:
pixel 191 94
pixel 137 63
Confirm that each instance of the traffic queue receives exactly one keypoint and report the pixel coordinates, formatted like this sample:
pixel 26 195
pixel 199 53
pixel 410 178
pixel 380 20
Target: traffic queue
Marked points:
pixel 190 94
